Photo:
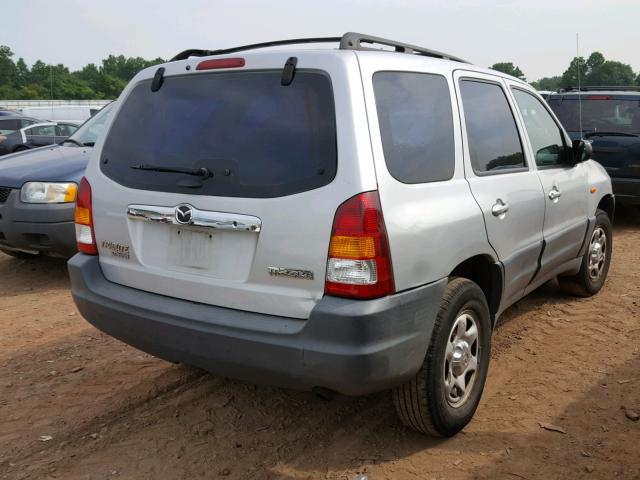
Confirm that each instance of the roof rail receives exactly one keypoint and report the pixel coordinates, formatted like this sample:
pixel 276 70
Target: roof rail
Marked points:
pixel 615 88
pixel 349 41
pixel 354 41
pixel 224 51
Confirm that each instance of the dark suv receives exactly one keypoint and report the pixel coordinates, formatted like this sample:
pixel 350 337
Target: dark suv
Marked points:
pixel 611 120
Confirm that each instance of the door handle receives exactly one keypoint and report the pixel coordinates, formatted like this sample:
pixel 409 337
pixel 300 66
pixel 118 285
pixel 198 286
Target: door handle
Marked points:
pixel 500 209
pixel 555 194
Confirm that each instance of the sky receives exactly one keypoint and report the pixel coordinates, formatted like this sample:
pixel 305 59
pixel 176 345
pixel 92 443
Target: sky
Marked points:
pixel 538 36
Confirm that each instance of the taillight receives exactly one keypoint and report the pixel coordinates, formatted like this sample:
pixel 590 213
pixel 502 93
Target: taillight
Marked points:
pixel 359 263
pixel 85 236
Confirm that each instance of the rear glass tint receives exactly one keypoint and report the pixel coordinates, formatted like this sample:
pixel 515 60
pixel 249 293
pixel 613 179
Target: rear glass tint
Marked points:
pixel 257 137
pixel 494 142
pixel 600 113
pixel 10 124
pixel 416 125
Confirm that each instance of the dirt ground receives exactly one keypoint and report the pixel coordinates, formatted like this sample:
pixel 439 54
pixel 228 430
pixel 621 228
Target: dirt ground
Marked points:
pixel 77 404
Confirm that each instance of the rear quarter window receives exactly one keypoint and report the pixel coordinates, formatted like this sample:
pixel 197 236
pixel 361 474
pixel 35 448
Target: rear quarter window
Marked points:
pixel 257 137
pixel 416 125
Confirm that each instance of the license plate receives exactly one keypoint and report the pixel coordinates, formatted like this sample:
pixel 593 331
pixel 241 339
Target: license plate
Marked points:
pixel 191 248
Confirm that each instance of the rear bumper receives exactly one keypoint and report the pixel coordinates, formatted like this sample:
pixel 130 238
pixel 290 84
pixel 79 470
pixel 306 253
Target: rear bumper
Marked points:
pixel 349 346
pixel 43 228
pixel 626 190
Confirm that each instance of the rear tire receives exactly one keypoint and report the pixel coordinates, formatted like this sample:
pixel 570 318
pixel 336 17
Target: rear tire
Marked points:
pixel 595 262
pixel 435 402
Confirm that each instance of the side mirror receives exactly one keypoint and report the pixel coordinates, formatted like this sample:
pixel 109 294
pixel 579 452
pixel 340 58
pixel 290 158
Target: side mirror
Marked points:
pixel 582 151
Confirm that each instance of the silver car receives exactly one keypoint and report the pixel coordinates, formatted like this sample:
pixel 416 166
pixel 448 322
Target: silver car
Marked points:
pixel 341 220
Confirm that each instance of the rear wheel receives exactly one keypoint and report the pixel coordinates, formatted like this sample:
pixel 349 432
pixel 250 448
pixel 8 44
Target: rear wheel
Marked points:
pixel 446 391
pixel 595 262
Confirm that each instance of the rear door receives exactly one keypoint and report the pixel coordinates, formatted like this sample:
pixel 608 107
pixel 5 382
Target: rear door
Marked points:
pixel 433 222
pixel 221 187
pixel 502 181
pixel 565 185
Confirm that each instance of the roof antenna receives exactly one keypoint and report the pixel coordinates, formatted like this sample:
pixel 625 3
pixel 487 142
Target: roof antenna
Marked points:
pixel 579 88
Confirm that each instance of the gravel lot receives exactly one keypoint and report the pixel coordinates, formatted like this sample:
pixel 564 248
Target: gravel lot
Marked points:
pixel 75 403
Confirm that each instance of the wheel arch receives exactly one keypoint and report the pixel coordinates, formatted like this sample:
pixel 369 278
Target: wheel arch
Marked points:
pixel 487 274
pixel 608 204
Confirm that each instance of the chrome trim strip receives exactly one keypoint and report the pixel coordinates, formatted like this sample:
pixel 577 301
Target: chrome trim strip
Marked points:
pixel 199 218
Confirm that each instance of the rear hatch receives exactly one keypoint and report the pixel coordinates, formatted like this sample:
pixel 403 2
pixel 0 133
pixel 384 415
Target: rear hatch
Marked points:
pixel 611 122
pixel 221 186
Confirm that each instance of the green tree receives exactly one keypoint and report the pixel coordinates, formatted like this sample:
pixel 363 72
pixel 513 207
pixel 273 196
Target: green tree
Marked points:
pixel 45 81
pixel 548 83
pixel 40 73
pixel 22 75
pixel 597 71
pixel 570 75
pixel 110 86
pixel 638 80
pixel 595 60
pixel 90 74
pixel 7 67
pixel 7 91
pixel 125 68
pixel 509 68
pixel 611 73
pixel 30 92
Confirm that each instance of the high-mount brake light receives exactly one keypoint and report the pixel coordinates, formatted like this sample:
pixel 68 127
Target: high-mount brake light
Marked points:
pixel 598 97
pixel 85 235
pixel 221 63
pixel 359 263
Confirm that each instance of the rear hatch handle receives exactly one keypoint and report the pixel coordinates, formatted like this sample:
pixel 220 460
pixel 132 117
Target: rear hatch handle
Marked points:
pixel 186 214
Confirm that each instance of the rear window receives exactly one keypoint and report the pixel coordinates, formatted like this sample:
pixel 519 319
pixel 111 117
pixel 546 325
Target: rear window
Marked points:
pixel 10 124
pixel 600 113
pixel 257 137
pixel 416 125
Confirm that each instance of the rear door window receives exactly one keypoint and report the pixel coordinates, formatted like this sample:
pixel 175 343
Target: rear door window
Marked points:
pixel 494 142
pixel 256 137
pixel 42 130
pixel 416 125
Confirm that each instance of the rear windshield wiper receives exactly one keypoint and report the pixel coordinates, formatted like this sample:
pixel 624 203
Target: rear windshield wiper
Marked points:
pixel 609 134
pixel 73 141
pixel 197 172
pixel 89 144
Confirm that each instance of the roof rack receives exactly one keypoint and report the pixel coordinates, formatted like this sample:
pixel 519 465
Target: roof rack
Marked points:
pixel 349 41
pixel 617 88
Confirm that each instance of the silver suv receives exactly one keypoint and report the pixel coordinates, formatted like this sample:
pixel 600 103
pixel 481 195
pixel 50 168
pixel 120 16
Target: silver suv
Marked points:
pixel 337 220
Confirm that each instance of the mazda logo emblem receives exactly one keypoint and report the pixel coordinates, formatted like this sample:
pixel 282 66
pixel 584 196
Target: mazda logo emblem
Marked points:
pixel 184 214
